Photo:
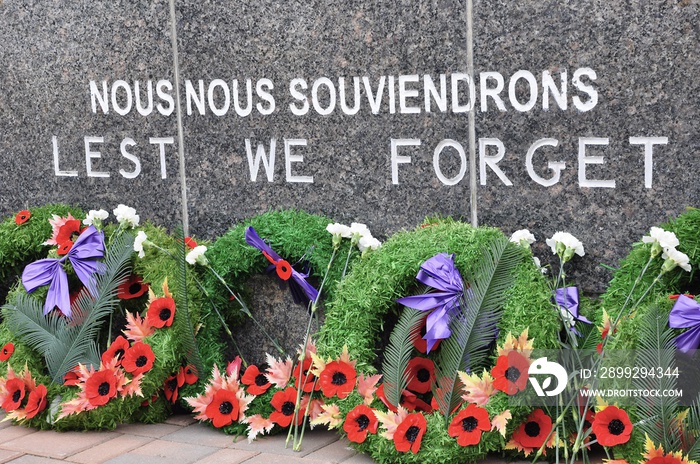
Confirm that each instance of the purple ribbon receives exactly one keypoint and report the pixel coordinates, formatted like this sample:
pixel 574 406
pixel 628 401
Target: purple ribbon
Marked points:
pixel 440 273
pixel 83 257
pixel 298 279
pixel 686 314
pixel 567 299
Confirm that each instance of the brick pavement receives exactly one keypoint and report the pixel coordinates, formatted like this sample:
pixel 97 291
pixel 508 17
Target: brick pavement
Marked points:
pixel 179 440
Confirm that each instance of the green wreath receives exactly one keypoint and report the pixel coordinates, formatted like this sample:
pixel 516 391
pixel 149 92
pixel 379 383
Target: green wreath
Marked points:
pixel 367 297
pixel 624 282
pixel 47 400
pixel 293 235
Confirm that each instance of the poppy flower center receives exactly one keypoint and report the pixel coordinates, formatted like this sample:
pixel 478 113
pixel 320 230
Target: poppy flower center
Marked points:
pixel 172 385
pixel 423 375
pixel 16 396
pixel 532 429
pixel 288 408
pixel 412 433
pixel 260 380
pixel 616 427
pixel 362 422
pixel 469 423
pixel 225 408
pixel 512 374
pixel 339 378
pixel 119 353
pixel 141 361
pixel 134 288
pixel 103 389
pixel 5 351
pixel 164 314
pixel 74 236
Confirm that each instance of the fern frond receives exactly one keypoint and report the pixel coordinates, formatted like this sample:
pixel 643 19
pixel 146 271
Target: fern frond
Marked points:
pixel 65 343
pixel 474 329
pixel 692 431
pixel 656 350
pixel 182 315
pixel 398 353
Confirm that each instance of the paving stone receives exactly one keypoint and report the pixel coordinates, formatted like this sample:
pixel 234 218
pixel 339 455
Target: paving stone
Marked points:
pixel 109 449
pixel 148 430
pixel 313 440
pixel 338 451
pixel 31 459
pixel 360 459
pixel 228 456
pixel 200 434
pixel 57 444
pixel 267 458
pixel 8 455
pixel 12 433
pixel 183 420
pixel 162 451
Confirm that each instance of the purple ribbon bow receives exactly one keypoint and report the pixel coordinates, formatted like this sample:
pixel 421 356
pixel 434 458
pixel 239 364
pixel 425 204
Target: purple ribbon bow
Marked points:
pixel 440 273
pixel 297 280
pixel 83 257
pixel 686 314
pixel 567 300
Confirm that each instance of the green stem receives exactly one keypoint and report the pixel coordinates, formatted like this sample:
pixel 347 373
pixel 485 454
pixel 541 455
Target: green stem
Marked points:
pixel 347 260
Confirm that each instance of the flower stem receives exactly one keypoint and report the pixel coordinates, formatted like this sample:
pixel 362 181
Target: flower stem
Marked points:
pixel 347 260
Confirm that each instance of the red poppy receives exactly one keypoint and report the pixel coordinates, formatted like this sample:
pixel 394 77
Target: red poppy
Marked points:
pixel 307 377
pixel 36 402
pixel 161 312
pixel 133 287
pixel 410 432
pixel 22 217
pixel 419 342
pixel 468 425
pixel 435 405
pixel 15 394
pixel 7 351
pixel 510 373
pixel 257 381
pixel 408 401
pixel 116 351
pixel 190 374
pixel 67 235
pixel 72 378
pixel 283 401
pixel 359 422
pixel 138 359
pixel 338 378
pixel 172 385
pixel 534 431
pixel 100 387
pixel 612 426
pixel 64 248
pixel 223 409
pixel 422 372
pixel 189 241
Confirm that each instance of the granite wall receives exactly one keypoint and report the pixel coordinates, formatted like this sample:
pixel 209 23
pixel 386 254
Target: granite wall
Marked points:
pixel 584 112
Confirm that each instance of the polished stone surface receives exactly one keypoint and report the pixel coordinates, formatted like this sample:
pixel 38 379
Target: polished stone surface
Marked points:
pixel 642 53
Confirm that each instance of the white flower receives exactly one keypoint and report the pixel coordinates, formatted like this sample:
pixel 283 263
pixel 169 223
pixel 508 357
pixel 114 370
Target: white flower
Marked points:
pixel 95 216
pixel 660 240
pixel 126 216
pixel 357 231
pixel 673 258
pixel 565 245
pixel 139 241
pixel 338 231
pixel 196 256
pixel 523 237
pixel 368 243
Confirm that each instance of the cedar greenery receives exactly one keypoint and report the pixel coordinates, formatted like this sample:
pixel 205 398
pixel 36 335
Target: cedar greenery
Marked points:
pixel 62 343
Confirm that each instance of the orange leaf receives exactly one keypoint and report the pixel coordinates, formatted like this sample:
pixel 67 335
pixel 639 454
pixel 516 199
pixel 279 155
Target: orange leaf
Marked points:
pixel 137 328
pixel 279 371
pixel 477 389
pixel 500 421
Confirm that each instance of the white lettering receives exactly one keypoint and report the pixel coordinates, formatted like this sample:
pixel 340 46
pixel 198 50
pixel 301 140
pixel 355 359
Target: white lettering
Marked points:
pixel 532 84
pixel 583 160
pixel 587 89
pixel 293 84
pixel 494 93
pixel 289 159
pixel 161 141
pixel 491 161
pixel 254 166
pixel 397 159
pixel 90 155
pixel 227 97
pixel 56 169
pixel 129 142
pixel 331 96
pixel 648 143
pixel 462 157
pixel 556 166
pixel 405 93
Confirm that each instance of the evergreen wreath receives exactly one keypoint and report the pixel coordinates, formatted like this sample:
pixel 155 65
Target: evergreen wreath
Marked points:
pixel 42 352
pixel 294 235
